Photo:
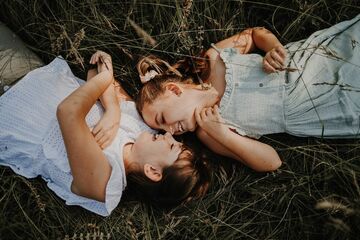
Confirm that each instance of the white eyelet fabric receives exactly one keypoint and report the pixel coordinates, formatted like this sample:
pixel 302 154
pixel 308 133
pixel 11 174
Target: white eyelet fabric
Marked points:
pixel 31 142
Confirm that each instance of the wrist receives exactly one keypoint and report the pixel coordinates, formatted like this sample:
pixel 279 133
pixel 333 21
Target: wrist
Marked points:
pixel 112 108
pixel 221 135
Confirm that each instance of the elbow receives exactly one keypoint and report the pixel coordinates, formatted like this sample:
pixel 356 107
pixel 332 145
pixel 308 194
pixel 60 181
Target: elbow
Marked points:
pixel 270 165
pixel 61 111
pixel 67 110
pixel 275 164
pixel 274 161
pixel 85 190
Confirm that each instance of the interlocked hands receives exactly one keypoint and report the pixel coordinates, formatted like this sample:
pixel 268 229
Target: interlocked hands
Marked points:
pixel 274 59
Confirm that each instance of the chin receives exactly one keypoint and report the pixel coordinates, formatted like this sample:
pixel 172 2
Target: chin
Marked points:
pixel 193 128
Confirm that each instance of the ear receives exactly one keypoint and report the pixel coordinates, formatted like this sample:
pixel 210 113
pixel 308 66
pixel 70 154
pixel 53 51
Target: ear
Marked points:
pixel 174 88
pixel 153 173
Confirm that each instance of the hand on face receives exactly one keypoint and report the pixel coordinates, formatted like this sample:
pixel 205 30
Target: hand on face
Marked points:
pixel 274 59
pixel 210 120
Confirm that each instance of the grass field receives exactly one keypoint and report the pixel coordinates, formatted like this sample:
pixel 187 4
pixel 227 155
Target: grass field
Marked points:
pixel 314 195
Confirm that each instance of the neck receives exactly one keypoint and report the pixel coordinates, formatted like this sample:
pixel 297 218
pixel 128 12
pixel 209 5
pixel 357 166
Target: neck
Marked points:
pixel 207 98
pixel 128 156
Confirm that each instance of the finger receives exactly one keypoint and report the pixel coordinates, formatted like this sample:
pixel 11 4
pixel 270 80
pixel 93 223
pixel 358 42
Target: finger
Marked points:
pixel 275 64
pixel 198 116
pixel 281 50
pixel 99 135
pixel 209 111
pixel 105 144
pixel 96 130
pixel 98 59
pixel 277 58
pixel 272 62
pixel 203 113
pixel 92 60
pixel 267 67
pixel 102 140
pixel 106 138
pixel 104 60
pixel 216 110
pixel 96 56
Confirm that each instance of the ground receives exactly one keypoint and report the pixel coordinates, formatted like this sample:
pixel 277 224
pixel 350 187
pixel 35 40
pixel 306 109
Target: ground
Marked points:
pixel 314 195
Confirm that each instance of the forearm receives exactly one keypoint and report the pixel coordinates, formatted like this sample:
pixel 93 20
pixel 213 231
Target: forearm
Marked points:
pixel 108 98
pixel 264 39
pixel 257 155
pixel 79 102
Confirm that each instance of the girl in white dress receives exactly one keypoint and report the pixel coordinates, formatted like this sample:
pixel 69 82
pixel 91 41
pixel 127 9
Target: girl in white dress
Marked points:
pixel 107 145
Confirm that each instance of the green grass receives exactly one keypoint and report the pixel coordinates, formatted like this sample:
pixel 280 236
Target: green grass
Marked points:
pixel 315 194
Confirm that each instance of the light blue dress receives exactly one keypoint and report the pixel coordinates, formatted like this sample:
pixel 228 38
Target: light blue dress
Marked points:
pixel 31 142
pixel 321 98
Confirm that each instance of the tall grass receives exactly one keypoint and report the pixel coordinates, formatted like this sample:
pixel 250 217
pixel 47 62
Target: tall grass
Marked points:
pixel 315 194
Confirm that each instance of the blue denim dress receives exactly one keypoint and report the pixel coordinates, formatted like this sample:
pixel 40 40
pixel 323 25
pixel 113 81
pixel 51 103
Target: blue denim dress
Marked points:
pixel 319 94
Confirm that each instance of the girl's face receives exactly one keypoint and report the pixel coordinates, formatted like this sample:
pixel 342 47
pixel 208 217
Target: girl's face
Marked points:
pixel 157 149
pixel 172 111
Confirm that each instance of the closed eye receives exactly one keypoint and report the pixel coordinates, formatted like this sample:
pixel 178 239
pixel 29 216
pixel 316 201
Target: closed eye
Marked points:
pixel 171 147
pixel 155 136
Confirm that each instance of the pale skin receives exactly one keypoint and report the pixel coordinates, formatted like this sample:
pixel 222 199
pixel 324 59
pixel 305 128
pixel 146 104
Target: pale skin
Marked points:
pixel 89 167
pixel 198 110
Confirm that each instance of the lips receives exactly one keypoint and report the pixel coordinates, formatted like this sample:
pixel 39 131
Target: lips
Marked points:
pixel 180 128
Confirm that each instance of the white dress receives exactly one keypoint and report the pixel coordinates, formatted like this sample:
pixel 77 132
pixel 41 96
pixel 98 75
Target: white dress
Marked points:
pixel 31 142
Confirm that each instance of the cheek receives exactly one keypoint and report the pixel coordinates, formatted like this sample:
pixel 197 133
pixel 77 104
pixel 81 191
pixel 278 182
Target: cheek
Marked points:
pixel 190 116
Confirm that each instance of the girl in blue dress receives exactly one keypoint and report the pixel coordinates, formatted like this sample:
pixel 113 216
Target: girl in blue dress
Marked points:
pixel 305 88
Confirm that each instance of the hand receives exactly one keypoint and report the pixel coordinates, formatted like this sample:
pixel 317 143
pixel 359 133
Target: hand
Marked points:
pixel 103 61
pixel 210 120
pixel 274 59
pixel 106 129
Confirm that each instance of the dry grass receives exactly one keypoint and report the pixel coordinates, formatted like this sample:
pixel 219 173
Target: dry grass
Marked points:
pixel 315 194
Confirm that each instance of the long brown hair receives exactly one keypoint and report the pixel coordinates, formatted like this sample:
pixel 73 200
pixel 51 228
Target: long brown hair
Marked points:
pixel 188 178
pixel 198 68
pixel 187 71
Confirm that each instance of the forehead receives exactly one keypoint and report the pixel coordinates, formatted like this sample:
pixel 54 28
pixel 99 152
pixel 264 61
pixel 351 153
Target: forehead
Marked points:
pixel 149 113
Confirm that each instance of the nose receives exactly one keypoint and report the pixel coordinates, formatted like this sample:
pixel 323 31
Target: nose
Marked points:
pixel 169 138
pixel 171 129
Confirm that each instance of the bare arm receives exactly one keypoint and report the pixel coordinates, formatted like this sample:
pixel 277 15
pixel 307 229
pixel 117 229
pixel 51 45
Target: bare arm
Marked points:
pixel 116 89
pixel 108 98
pixel 89 166
pixel 251 39
pixel 219 138
pixel 106 129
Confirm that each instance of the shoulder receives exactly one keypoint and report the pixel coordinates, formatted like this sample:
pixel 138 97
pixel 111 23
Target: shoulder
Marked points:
pixel 242 41
pixel 212 54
